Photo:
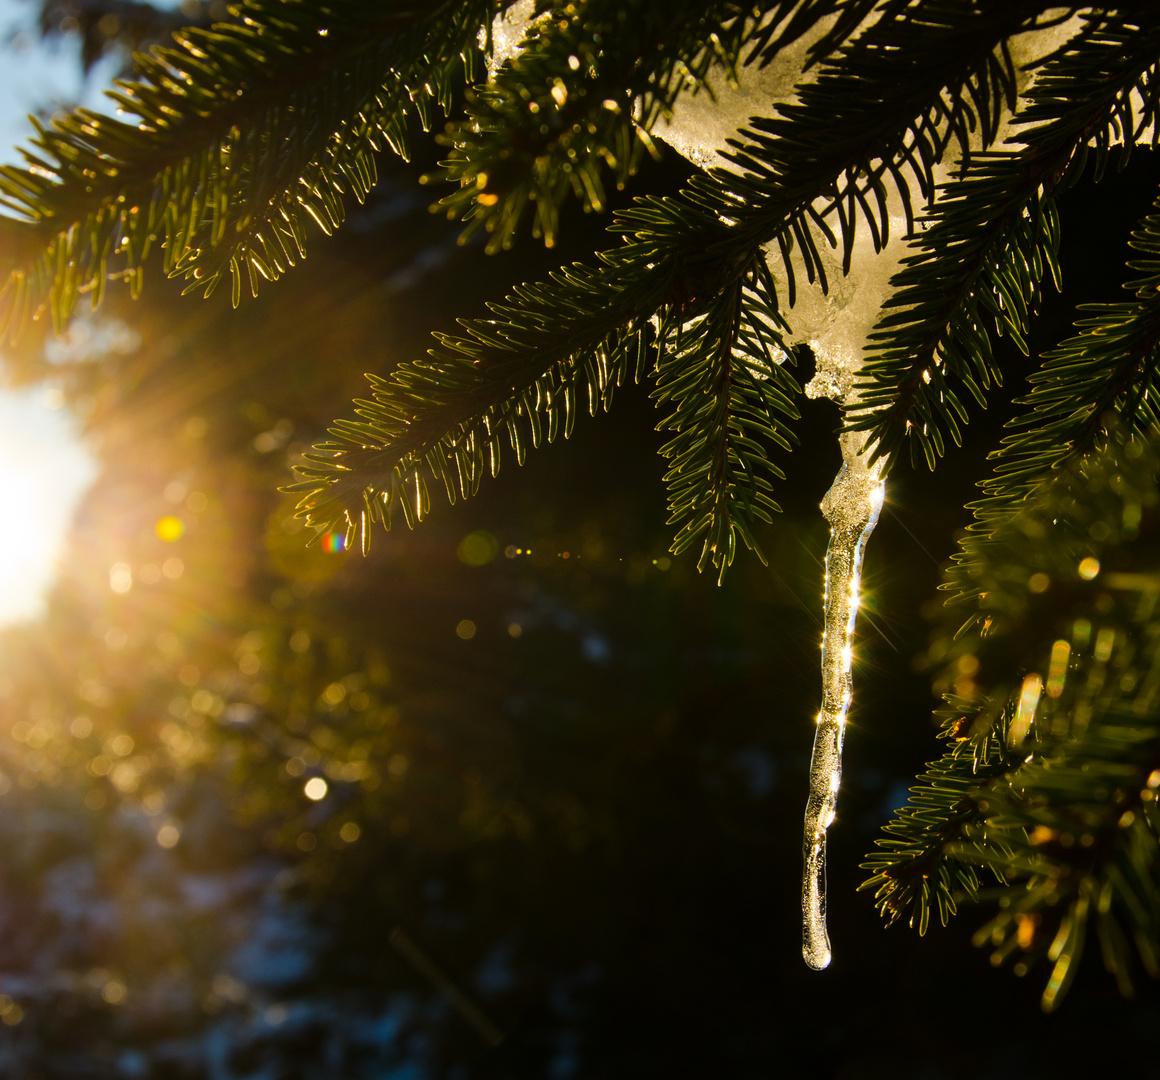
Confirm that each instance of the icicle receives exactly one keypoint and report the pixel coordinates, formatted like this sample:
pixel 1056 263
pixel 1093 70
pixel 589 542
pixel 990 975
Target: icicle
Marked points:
pixel 851 506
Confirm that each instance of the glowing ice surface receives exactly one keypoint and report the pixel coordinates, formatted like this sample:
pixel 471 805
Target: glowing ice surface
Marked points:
pixel 507 33
pixel 851 506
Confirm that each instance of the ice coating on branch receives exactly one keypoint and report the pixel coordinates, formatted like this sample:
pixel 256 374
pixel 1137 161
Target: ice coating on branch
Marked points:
pixel 507 33
pixel 704 119
pixel 835 326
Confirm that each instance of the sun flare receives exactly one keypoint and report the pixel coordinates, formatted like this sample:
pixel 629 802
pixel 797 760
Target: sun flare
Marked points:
pixel 44 470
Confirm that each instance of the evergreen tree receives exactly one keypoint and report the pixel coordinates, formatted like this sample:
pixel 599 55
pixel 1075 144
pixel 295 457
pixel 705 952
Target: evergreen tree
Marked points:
pixel 243 137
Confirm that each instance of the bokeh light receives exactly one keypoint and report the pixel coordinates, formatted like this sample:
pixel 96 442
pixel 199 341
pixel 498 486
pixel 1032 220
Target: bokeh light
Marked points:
pixel 170 528
pixel 315 788
pixel 1089 568
pixel 477 548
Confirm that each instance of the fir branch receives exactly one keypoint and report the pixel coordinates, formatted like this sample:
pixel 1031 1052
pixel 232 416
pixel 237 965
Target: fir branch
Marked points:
pixel 769 37
pixel 1070 831
pixel 1091 394
pixel 887 105
pixel 1104 379
pixel 134 26
pixel 991 238
pixel 583 95
pixel 244 132
pixel 580 98
pixel 1055 713
pixel 1028 577
pixel 862 120
pixel 443 420
pixel 724 372
pixel 914 872
pixel 1080 830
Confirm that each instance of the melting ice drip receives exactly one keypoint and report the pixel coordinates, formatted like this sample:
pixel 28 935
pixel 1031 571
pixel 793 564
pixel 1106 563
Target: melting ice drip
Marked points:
pixel 851 506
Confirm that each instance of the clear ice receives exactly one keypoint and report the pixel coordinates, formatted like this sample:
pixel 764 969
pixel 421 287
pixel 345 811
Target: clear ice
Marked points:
pixel 851 506
pixel 507 33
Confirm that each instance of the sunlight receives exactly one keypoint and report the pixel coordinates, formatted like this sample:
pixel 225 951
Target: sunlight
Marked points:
pixel 44 470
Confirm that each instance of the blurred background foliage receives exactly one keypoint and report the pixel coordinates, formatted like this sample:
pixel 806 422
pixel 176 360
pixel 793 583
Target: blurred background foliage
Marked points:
pixel 516 796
